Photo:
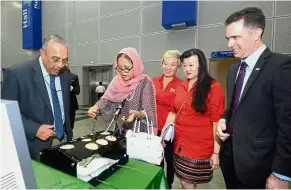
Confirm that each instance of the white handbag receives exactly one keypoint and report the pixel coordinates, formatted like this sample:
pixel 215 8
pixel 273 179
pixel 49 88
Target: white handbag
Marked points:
pixel 145 146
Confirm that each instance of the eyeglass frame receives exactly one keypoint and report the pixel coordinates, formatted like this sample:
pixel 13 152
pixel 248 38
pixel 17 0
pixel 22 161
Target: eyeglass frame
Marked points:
pixel 126 70
pixel 64 61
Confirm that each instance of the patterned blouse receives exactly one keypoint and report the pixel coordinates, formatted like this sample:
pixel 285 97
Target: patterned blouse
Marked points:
pixel 145 91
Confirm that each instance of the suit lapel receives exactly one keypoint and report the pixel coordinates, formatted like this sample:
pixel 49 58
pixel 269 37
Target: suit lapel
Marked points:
pixel 256 71
pixel 64 84
pixel 40 83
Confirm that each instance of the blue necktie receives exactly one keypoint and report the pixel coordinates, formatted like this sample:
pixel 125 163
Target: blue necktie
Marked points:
pixel 237 92
pixel 57 109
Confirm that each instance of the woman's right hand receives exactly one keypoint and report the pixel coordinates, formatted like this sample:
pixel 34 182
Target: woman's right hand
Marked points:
pixel 92 111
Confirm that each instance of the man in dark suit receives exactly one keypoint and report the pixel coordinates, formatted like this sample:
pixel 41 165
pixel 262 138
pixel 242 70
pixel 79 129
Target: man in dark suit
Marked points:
pixel 42 89
pixel 75 90
pixel 256 126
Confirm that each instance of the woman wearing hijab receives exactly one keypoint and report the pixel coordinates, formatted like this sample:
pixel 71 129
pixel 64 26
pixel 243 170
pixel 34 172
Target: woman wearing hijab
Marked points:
pixel 131 88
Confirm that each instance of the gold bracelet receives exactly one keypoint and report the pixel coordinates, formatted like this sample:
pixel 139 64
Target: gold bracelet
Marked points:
pixel 215 153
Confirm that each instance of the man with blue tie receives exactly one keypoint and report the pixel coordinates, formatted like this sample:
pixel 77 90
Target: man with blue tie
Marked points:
pixel 256 126
pixel 42 89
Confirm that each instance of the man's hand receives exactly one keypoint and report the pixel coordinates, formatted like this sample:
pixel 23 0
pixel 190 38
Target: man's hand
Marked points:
pixel 219 131
pixel 71 88
pixel 45 132
pixel 275 183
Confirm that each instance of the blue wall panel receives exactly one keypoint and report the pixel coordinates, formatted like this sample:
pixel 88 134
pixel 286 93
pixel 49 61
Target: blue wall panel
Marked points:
pixel 175 12
pixel 31 24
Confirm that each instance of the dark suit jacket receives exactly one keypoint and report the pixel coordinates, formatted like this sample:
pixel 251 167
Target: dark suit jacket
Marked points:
pixel 76 91
pixel 25 83
pixel 262 122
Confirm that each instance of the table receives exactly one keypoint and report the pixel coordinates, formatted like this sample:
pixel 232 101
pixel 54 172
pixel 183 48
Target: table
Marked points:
pixel 134 175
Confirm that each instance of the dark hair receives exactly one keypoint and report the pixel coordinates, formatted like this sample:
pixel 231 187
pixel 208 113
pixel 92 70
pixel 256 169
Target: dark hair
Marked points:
pixel 125 56
pixel 100 83
pixel 252 16
pixel 204 80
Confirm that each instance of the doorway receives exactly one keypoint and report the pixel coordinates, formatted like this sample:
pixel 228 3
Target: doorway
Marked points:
pixel 98 74
pixel 218 70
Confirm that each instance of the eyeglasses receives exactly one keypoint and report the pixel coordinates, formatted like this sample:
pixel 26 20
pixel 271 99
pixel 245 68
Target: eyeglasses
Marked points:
pixel 125 69
pixel 55 59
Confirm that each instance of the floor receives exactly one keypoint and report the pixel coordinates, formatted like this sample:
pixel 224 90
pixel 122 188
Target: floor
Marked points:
pixel 84 126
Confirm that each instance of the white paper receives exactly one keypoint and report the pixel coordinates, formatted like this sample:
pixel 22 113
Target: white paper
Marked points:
pixel 169 132
pixel 11 174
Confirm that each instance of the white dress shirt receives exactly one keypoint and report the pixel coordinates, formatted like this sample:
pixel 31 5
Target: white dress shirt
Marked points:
pixel 46 78
pixel 251 61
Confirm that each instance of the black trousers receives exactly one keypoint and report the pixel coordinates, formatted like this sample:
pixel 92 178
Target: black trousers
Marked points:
pixel 168 154
pixel 99 95
pixel 72 118
pixel 228 169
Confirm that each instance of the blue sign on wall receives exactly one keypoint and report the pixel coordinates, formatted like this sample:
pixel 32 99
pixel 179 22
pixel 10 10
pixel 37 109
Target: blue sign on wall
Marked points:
pixel 31 24
pixel 176 12
pixel 222 54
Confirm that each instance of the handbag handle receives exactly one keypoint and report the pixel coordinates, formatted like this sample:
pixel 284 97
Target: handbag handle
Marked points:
pixel 141 110
pixel 137 125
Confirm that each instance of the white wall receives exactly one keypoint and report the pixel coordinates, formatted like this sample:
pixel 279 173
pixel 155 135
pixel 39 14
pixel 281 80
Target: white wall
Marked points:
pixel 97 30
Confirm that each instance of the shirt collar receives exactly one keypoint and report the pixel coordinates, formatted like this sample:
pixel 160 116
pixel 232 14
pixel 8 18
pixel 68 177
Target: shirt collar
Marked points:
pixel 185 84
pixel 43 70
pixel 252 59
pixel 175 78
pixel 162 76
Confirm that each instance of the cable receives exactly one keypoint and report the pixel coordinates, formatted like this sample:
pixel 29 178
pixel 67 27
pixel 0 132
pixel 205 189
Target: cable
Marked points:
pixel 131 168
pixel 94 125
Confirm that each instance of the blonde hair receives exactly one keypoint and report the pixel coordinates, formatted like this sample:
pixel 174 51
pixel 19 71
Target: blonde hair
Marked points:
pixel 171 53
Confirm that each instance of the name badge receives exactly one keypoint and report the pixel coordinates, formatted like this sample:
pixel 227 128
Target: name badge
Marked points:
pixel 172 90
